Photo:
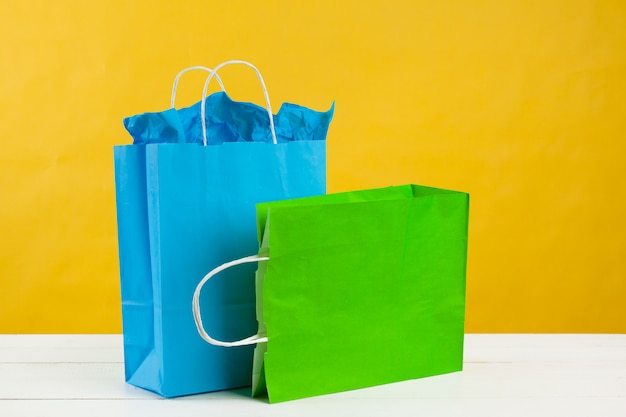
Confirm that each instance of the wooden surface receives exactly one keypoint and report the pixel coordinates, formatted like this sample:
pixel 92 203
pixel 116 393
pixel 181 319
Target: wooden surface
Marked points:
pixel 504 375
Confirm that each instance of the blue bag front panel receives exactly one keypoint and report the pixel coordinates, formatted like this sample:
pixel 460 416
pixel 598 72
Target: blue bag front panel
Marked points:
pixel 201 210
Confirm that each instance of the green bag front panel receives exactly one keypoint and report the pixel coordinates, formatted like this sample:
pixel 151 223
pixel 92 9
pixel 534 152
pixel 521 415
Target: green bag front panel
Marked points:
pixel 361 289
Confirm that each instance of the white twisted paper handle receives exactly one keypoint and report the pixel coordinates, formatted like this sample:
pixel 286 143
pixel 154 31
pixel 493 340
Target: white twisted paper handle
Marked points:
pixel 195 305
pixel 265 94
pixel 180 74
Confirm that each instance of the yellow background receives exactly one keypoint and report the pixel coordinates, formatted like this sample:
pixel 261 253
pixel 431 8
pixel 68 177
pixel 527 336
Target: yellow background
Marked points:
pixel 520 103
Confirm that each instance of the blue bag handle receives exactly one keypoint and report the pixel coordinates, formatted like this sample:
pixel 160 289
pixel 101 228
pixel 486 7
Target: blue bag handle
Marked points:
pixel 265 94
pixel 193 68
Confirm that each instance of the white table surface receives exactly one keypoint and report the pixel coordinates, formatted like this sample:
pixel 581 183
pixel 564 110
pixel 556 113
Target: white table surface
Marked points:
pixel 504 376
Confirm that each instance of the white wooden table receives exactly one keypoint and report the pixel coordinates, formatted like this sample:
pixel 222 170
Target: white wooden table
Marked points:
pixel 504 376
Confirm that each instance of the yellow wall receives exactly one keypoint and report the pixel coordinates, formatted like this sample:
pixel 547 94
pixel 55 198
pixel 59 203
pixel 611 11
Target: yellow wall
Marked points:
pixel 520 103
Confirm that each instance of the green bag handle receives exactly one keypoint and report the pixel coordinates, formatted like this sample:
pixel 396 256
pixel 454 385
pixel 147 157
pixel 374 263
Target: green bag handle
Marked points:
pixel 193 68
pixel 195 305
pixel 265 94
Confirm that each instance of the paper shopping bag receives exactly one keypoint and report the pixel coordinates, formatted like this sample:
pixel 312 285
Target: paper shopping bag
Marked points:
pixel 182 208
pixel 357 289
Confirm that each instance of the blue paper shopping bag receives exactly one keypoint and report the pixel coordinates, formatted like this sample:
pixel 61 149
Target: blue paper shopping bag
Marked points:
pixel 185 203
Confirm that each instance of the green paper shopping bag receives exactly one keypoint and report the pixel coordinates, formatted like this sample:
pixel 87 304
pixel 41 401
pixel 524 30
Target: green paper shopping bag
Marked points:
pixel 356 289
